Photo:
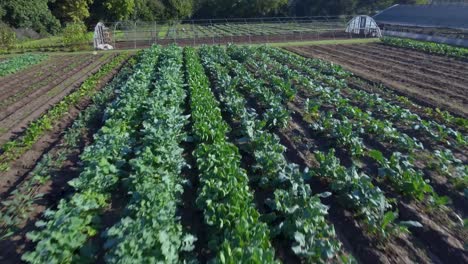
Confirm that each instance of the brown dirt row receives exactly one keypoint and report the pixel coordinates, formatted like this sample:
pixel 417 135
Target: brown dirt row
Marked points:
pixel 34 78
pixel 400 81
pixel 412 56
pixel 18 76
pixel 33 73
pixel 11 249
pixel 21 95
pixel 419 55
pixel 16 123
pixel 423 67
pixel 437 84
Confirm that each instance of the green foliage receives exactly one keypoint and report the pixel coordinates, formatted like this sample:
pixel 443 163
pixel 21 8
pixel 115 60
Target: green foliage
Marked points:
pixel 430 47
pixel 179 9
pixel 30 14
pixel 150 10
pixel 73 10
pixel 236 234
pixel 20 62
pixel 120 9
pixel 7 37
pixel 67 229
pixel 242 8
pixel 74 35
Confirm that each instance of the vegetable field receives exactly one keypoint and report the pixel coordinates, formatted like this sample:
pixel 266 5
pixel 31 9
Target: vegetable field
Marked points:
pixel 237 154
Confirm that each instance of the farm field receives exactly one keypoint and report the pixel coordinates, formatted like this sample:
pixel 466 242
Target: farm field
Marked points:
pixel 433 80
pixel 238 154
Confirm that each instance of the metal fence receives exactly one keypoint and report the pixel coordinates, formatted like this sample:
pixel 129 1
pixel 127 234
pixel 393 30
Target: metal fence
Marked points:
pixel 129 34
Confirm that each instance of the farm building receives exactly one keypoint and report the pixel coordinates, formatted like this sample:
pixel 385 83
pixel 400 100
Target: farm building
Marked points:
pixel 443 23
pixel 444 15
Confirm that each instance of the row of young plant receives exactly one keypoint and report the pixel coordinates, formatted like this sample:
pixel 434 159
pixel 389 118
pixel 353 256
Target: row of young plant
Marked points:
pixel 443 160
pixel 334 76
pixel 425 46
pixel 296 213
pixel 355 191
pixel 64 233
pixel 150 231
pixel 236 234
pixel 333 116
pixel 20 62
pixel 15 148
pixel 16 209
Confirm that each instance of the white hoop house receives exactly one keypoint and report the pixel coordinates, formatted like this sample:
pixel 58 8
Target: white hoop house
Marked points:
pixel 363 25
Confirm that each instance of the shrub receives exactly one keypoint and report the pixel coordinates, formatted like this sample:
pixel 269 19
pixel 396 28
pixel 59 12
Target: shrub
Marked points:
pixel 7 37
pixel 74 35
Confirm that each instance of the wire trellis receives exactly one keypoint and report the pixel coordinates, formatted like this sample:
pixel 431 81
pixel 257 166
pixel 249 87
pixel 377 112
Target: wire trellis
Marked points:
pixel 130 34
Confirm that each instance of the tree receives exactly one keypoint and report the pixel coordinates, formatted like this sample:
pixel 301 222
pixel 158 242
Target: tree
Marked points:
pixel 73 10
pixel 30 14
pixel 120 9
pixel 150 10
pixel 240 8
pixel 179 9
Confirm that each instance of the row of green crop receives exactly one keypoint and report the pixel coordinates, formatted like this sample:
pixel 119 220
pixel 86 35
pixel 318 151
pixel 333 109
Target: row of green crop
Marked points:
pixel 430 47
pixel 16 209
pixel 62 237
pixel 15 148
pixel 235 233
pixel 348 125
pixel 334 76
pixel 355 190
pixel 150 230
pixel 441 138
pixel 18 63
pixel 296 213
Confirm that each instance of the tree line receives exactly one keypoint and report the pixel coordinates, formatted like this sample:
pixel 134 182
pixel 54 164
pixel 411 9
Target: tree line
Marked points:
pixel 49 16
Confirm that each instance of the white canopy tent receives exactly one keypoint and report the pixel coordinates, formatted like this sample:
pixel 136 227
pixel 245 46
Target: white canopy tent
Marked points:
pixel 363 25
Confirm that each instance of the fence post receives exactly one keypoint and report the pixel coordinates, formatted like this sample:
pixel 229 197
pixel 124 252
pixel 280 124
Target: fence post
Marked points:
pixel 156 32
pixel 134 35
pixel 193 31
pixel 115 35
pixel 248 30
pixel 333 29
pixel 211 31
pixel 263 30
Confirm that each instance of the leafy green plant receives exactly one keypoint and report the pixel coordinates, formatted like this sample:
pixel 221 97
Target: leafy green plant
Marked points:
pixel 20 62
pixel 7 37
pixel 65 231
pixel 430 47
pixel 75 35
pixel 236 234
